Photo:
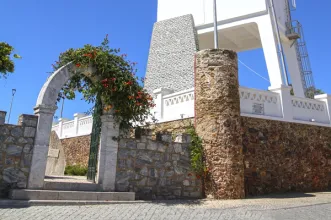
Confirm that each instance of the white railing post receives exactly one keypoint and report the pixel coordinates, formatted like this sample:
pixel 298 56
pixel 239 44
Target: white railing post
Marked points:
pixel 159 93
pixel 77 116
pixel 327 99
pixel 286 100
pixel 60 128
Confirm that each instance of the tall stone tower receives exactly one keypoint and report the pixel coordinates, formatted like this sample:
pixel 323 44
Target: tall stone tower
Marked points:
pixel 171 56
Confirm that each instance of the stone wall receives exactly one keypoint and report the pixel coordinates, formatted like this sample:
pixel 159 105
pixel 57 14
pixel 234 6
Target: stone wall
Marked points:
pixel 171 56
pixel 173 127
pixel 16 146
pixel 157 169
pixel 281 156
pixel 77 150
pixel 56 162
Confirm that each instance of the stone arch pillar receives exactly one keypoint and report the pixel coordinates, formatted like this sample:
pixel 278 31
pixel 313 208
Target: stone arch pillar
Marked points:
pixel 45 109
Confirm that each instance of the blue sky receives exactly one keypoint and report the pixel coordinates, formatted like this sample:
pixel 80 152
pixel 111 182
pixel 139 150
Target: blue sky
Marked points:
pixel 40 30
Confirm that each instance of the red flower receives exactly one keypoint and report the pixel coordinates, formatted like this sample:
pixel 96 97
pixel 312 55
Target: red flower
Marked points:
pixel 198 176
pixel 113 79
pixel 104 80
pixel 78 65
pixel 128 83
pixel 88 55
pixel 114 89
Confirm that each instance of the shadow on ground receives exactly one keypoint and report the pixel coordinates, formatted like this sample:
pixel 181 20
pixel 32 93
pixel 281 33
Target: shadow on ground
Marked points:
pixel 290 195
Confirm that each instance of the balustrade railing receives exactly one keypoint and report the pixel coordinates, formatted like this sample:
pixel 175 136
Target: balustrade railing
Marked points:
pixel 253 103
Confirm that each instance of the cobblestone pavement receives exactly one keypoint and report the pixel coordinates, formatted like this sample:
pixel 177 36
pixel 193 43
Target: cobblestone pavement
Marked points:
pixel 293 206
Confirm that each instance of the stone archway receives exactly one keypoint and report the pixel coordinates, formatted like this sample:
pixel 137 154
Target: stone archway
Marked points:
pixel 45 110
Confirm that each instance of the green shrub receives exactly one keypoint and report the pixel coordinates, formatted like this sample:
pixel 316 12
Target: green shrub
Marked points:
pixel 75 170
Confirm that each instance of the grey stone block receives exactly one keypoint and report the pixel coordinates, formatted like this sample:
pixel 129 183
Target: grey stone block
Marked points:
pixel 171 56
pixel 14 150
pixel 28 120
pixel 152 145
pixel 17 132
pixel 10 140
pixel 27 148
pixel 29 132
pixel 4 130
pixel 141 146
pixel 2 117
pixel 131 144
pixel 22 140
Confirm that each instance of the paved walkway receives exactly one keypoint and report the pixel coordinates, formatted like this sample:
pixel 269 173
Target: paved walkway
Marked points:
pixel 292 206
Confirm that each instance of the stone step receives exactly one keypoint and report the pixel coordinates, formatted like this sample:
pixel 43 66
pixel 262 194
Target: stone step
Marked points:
pixel 29 194
pixel 70 186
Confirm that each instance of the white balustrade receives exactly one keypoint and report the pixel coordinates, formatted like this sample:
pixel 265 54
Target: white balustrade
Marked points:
pixel 85 125
pixel 81 125
pixel 259 102
pixel 276 104
pixel 309 110
pixel 178 105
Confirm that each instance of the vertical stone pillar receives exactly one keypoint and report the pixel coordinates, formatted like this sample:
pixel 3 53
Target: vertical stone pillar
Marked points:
pixel 327 99
pixel 60 128
pixel 286 100
pixel 77 116
pixel 108 153
pixel 40 150
pixel 159 93
pixel 217 109
pixel 2 117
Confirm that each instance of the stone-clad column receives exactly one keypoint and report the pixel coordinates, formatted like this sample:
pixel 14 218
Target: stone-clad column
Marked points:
pixel 2 117
pixel 217 109
pixel 108 153
pixel 40 150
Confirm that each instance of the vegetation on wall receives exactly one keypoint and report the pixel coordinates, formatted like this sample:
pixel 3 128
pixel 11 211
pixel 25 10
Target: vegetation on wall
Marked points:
pixel 310 92
pixel 6 62
pixel 113 77
pixel 75 170
pixel 196 152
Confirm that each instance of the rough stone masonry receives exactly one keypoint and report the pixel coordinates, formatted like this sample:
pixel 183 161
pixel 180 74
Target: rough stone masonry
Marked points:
pixel 217 108
pixel 16 145
pixel 157 169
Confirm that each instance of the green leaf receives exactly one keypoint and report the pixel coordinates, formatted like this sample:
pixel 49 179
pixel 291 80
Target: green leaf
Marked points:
pixel 17 56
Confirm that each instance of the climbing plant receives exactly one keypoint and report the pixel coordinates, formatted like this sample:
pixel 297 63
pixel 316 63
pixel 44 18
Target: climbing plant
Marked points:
pixel 196 152
pixel 6 62
pixel 113 77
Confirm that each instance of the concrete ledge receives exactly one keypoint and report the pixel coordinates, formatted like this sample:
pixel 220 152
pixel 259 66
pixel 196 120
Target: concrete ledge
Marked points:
pixel 26 203
pixel 26 194
pixel 70 186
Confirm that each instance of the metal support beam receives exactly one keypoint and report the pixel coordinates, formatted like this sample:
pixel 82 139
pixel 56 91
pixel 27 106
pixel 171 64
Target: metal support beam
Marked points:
pixel 215 26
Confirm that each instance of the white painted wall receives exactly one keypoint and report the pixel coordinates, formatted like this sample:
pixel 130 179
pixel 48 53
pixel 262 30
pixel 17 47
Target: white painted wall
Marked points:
pixel 202 10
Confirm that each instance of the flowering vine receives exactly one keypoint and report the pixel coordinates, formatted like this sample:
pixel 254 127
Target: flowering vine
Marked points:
pixel 113 78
